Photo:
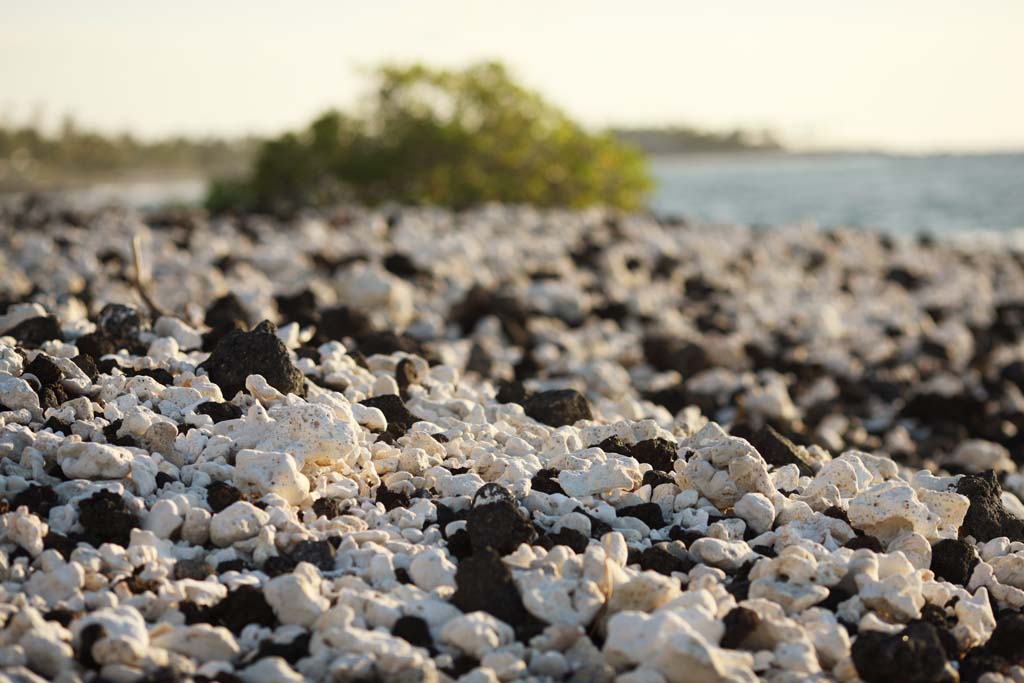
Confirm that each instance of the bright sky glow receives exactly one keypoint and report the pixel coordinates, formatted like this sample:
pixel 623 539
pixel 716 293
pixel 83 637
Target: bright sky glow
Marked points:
pixel 904 75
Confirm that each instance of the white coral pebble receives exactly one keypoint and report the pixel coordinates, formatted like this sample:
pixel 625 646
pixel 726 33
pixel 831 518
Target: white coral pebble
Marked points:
pixel 264 472
pixel 237 522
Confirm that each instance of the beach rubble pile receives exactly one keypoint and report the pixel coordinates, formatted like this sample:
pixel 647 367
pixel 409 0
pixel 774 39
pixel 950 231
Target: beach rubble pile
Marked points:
pixel 505 445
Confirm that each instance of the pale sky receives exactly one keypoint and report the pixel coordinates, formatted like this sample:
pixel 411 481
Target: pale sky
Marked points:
pixel 898 74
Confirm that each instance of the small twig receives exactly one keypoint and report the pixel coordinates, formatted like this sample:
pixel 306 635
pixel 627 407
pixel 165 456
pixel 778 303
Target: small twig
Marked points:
pixel 141 283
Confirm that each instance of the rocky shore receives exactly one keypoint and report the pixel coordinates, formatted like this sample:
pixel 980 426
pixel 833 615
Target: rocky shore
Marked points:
pixel 505 445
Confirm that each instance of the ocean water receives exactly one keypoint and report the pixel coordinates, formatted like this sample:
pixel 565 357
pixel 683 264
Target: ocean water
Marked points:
pixel 938 194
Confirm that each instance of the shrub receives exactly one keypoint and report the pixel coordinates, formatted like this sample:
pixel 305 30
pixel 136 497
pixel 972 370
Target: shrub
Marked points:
pixel 452 138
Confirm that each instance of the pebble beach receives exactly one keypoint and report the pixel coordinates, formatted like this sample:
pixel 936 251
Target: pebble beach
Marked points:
pixel 505 445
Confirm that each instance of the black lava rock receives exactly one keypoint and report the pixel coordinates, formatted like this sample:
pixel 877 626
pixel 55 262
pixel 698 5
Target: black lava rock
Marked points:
pixel 57 425
pixel 328 507
pixel 987 518
pixel 1007 638
pixel 34 331
pixel 658 559
pixel 398 416
pixel 658 453
pixel 558 407
pixel 670 353
pixel 240 354
pixel 292 651
pixel 648 513
pixel 226 312
pixel 779 451
pixel 484 583
pixel 318 553
pixel 219 412
pixel 914 655
pixel 86 364
pixel 414 631
pixel 498 525
pixel 38 499
pixel 546 481
pixel 953 560
pixel 119 321
pixel 392 499
pixel 865 541
pixel 106 519
pixel 511 392
pixel 740 622
pixel 567 537
pixel 45 370
pixel 243 606
pixel 299 307
pixel 220 495
pixel 340 322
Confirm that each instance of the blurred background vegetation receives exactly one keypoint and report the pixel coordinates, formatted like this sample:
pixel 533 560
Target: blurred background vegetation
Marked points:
pixel 34 160
pixel 454 138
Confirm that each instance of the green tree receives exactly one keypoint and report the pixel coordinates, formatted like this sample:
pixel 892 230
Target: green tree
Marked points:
pixel 452 138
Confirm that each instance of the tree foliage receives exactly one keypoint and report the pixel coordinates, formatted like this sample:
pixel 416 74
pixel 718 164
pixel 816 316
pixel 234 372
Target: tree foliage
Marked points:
pixel 451 138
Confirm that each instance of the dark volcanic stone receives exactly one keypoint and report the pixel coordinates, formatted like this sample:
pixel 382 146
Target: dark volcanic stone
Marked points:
pixel 238 565
pixel 484 583
pixel 328 507
pixel 95 345
pixel 654 478
pixel 65 545
pixel 292 651
pixel 260 352
pixel 398 416
pixel 499 526
pixel 658 559
pixel 779 451
pixel 459 545
pixel 38 499
pixel 405 376
pixel 388 342
pixel 86 364
pixel 914 655
pixel 219 411
pixel 299 307
pixel 191 569
pixel 987 518
pixel 671 353
pixel 220 495
pixel 401 265
pixel 225 312
pixel 740 622
pixel 318 553
pixel 614 444
pixel 159 374
pixel 865 541
pixel 953 560
pixel 45 370
pixel 119 321
pixel 511 392
pixel 340 322
pixel 243 606
pixel 648 513
pixel 106 519
pixel 414 631
pixel 567 537
pixel 88 637
pixel 546 481
pixel 558 407
pixel 1006 640
pixel 392 499
pixel 34 331
pixel 57 426
pixel 658 453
